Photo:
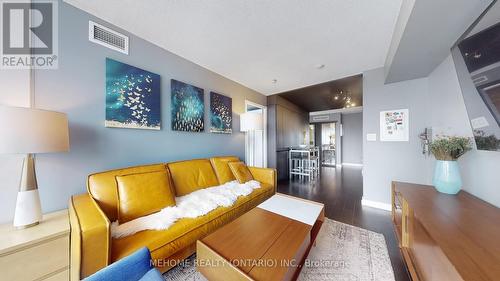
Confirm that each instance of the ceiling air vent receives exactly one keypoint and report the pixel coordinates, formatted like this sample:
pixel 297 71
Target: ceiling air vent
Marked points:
pixel 321 118
pixel 108 38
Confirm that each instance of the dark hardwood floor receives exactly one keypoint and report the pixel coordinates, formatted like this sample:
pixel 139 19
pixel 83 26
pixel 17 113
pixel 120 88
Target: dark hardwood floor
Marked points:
pixel 341 191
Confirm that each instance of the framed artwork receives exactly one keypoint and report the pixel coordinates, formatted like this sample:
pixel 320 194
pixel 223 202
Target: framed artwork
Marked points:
pixel 188 107
pixel 394 125
pixel 221 114
pixel 132 97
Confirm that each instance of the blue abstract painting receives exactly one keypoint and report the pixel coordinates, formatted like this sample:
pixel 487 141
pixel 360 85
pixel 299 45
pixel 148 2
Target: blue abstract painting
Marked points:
pixel 221 114
pixel 188 107
pixel 132 97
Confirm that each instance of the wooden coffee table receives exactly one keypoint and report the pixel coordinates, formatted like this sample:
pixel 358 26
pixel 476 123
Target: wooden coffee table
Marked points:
pixel 270 242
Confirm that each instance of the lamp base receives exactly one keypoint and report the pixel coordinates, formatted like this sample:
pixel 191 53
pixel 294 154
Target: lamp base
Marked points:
pixel 27 226
pixel 28 207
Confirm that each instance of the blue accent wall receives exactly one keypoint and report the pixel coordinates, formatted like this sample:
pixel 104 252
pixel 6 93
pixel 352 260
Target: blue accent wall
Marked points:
pixel 78 89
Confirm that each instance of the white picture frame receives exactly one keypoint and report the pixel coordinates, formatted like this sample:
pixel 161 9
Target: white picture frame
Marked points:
pixel 394 125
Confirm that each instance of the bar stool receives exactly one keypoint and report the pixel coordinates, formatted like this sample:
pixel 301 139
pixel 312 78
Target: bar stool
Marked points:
pixel 298 163
pixel 304 162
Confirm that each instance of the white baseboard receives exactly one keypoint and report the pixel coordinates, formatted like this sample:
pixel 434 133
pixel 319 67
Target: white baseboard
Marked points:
pixel 375 204
pixel 352 164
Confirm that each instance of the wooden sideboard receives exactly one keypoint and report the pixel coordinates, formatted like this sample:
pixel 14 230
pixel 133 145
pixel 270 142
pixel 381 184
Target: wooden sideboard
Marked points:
pixel 37 253
pixel 446 237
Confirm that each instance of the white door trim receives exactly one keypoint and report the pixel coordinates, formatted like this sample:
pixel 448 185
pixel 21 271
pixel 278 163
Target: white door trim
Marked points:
pixel 264 141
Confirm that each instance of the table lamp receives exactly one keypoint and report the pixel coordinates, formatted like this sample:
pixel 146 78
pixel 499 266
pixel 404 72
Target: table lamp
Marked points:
pixel 28 131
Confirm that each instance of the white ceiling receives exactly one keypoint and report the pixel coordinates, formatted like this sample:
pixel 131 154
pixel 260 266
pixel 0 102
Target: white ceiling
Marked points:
pixel 490 18
pixel 429 33
pixel 254 42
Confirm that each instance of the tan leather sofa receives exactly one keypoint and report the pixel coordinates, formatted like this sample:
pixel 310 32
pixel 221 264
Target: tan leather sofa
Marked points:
pixel 91 214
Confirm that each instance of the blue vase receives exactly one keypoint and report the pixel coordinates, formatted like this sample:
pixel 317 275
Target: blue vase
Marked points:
pixel 447 177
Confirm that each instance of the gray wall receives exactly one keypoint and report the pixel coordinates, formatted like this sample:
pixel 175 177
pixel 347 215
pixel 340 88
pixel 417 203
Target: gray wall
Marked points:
pixel 15 92
pixel 479 169
pixel 78 88
pixel 437 102
pixel 352 138
pixel 387 161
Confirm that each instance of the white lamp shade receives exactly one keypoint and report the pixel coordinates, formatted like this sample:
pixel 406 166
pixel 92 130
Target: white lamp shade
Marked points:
pixel 251 121
pixel 28 130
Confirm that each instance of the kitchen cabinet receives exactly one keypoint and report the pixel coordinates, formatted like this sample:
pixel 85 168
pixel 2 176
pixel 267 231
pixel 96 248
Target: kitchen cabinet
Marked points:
pixel 286 125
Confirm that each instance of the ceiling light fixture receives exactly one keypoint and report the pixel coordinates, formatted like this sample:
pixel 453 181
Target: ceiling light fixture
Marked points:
pixel 345 97
pixel 320 66
pixel 275 81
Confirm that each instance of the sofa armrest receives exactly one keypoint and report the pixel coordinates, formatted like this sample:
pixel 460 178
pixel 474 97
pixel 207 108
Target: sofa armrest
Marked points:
pixel 265 175
pixel 90 237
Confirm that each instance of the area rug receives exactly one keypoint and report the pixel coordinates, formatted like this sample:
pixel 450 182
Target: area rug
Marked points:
pixel 342 252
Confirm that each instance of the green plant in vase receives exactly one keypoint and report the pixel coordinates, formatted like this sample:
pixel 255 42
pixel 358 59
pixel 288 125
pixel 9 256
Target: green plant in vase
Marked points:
pixel 446 150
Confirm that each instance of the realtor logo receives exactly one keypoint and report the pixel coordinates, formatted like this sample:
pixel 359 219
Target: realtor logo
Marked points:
pixel 29 34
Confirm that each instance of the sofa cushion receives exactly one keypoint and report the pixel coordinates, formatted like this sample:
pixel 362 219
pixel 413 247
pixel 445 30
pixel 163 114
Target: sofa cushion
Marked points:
pixel 240 171
pixel 192 175
pixel 152 275
pixel 183 233
pixel 143 194
pixel 103 188
pixel 221 168
pixel 132 267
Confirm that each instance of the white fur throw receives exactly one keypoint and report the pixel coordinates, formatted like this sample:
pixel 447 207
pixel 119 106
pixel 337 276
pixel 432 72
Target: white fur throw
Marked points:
pixel 195 204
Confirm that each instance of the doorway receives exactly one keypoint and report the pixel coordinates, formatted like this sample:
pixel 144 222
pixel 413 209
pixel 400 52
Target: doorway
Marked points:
pixel 327 136
pixel 256 140
pixel 328 144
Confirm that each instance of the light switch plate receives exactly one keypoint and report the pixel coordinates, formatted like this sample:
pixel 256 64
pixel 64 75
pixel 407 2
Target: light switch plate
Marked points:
pixel 371 137
pixel 478 123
